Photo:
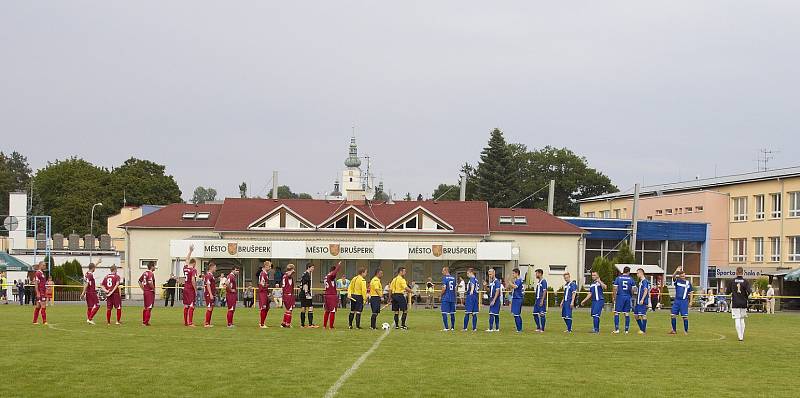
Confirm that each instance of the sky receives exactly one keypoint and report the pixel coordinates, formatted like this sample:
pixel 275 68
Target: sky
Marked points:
pixel 225 92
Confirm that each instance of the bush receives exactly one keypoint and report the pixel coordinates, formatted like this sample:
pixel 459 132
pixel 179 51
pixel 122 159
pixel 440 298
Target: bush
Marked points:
pixel 605 269
pixel 666 300
pixel 760 284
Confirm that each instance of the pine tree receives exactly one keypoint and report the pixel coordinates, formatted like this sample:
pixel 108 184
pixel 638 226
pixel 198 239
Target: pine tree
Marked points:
pixel 496 177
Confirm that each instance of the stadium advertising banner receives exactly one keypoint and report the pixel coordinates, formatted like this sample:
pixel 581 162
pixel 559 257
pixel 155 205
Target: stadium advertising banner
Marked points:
pixel 346 250
pixel 729 272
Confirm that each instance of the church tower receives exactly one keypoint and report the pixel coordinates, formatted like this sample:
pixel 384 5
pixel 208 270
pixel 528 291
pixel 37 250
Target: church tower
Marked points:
pixel 353 182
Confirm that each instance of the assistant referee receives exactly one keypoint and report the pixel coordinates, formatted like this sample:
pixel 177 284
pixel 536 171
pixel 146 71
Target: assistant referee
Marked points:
pixel 399 288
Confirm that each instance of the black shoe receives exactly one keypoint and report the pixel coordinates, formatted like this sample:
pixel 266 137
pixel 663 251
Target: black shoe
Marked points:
pixel 397 327
pixel 358 327
pixel 404 327
pixel 351 326
pixel 373 328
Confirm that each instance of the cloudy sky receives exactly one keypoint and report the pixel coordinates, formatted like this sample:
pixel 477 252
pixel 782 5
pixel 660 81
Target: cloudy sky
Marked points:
pixel 225 92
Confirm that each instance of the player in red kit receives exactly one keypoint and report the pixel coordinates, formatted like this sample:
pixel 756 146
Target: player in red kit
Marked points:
pixel 331 296
pixel 110 285
pixel 209 289
pixel 90 292
pixel 231 294
pixel 189 290
pixel 148 284
pixel 40 282
pixel 263 293
pixel 288 296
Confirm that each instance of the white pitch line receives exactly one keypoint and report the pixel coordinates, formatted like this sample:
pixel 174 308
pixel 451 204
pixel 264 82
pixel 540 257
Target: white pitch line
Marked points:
pixel 349 372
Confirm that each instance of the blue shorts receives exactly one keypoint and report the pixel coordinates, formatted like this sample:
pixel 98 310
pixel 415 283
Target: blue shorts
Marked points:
pixel 566 311
pixel 540 309
pixel 597 308
pixel 375 304
pixel 495 309
pixel 623 304
pixel 640 309
pixel 448 307
pixel 516 306
pixel 680 307
pixel 471 305
pixel 357 303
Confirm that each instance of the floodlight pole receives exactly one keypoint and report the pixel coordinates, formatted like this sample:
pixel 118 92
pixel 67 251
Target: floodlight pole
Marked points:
pixel 634 217
pixel 91 230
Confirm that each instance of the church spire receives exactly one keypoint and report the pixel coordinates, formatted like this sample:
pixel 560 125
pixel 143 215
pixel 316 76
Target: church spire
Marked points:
pixel 353 160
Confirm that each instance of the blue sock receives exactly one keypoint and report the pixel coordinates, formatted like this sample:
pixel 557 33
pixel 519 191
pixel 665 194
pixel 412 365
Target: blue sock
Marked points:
pixel 644 325
pixel 674 323
pixel 596 321
pixel 466 320
pixel 627 322
pixel 543 320
pixel 616 321
pixel 491 322
pixel 639 322
pixel 444 320
pixel 452 321
pixel 497 322
pixel 474 321
pixel 685 324
pixel 569 324
pixel 538 323
pixel 518 322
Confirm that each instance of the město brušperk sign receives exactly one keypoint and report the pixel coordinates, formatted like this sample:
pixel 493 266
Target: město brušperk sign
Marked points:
pixel 346 250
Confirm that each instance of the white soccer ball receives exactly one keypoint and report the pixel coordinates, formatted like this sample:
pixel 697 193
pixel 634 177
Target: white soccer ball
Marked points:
pixel 385 326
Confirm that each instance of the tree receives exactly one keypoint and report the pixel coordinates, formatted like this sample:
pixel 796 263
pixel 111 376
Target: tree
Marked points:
pixel 203 195
pixel 67 189
pixel 243 190
pixel 15 175
pixel 624 255
pixel 304 195
pixel 141 182
pixel 496 177
pixel 605 269
pixel 446 192
pixel 284 192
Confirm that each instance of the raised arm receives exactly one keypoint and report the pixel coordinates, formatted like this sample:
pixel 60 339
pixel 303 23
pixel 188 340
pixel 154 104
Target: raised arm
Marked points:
pixel 189 254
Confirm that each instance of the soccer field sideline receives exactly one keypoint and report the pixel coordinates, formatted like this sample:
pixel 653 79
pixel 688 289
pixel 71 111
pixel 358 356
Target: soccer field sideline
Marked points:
pixel 416 353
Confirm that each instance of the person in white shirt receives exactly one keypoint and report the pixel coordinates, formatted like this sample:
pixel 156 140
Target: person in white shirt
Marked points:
pixel 770 300
pixel 462 289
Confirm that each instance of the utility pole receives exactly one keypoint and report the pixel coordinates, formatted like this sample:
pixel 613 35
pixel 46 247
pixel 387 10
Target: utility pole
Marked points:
pixel 634 217
pixel 551 196
pixel 462 196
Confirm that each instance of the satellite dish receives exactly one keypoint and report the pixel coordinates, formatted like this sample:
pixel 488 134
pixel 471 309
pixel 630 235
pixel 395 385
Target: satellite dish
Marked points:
pixel 10 223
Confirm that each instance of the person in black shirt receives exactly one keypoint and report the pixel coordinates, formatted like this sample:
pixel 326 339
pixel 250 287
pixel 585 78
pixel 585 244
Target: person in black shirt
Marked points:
pixel 306 296
pixel 740 292
pixel 170 294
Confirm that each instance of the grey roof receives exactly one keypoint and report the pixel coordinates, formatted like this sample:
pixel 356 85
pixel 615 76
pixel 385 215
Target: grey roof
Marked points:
pixel 702 183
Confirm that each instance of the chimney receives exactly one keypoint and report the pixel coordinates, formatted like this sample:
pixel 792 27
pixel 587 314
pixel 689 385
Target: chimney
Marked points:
pixel 462 196
pixel 275 184
pixel 18 220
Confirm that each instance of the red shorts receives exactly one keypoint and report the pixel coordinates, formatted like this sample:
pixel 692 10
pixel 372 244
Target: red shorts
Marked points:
pixel 263 300
pixel 114 301
pixel 149 299
pixel 188 297
pixel 288 302
pixel 230 300
pixel 209 301
pixel 92 301
pixel 42 299
pixel 331 302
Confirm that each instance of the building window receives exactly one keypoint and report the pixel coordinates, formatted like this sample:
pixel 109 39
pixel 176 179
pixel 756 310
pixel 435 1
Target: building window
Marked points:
pixel 685 254
pixel 759 205
pixel 775 249
pixel 698 209
pixel 739 250
pixel 668 212
pixel 143 263
pixel 740 209
pixel 605 214
pixel 659 212
pixel 688 209
pixel 558 269
pixel 520 220
pixel 617 214
pixel 794 246
pixel 758 250
pixel 506 220
pixel 590 214
pixel 794 204
pixel 777 206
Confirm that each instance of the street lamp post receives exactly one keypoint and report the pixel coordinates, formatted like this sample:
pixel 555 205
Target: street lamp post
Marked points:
pixel 91 229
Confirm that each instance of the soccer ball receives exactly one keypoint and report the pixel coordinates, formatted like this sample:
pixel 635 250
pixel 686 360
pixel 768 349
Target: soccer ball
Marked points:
pixel 385 326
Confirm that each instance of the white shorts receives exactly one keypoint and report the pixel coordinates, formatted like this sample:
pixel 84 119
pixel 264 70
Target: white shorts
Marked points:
pixel 738 313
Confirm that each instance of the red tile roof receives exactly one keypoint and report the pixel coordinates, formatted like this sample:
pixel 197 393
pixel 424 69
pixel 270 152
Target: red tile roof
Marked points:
pixel 468 218
pixel 538 221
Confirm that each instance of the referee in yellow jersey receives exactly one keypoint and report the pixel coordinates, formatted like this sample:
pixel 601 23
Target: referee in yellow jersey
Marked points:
pixel 375 297
pixel 355 294
pixel 399 288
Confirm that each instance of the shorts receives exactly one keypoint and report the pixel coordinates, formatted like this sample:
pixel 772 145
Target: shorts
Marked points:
pixel 149 299
pixel 597 308
pixel 540 309
pixel 640 309
pixel 680 307
pixel 375 304
pixel 623 304
pixel 306 302
pixel 230 300
pixel 209 301
pixel 357 303
pixel 331 302
pixel 114 301
pixel 738 313
pixel 263 300
pixel 92 301
pixel 471 305
pixel 566 311
pixel 495 309
pixel 188 297
pixel 448 307
pixel 516 306
pixel 399 302
pixel 288 302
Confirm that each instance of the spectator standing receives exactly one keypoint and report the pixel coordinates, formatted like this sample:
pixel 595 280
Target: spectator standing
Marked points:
pixel 20 291
pixel 170 294
pixel 277 296
pixel 770 300
pixel 14 290
pixel 30 296
pixel 428 293
pixel 462 289
pixel 278 275
pixel 342 284
pixel 50 289
pixel 249 297
pixel 3 289
pixel 655 297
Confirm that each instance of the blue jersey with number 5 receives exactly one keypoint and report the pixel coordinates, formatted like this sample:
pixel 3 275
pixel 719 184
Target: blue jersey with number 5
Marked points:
pixel 624 284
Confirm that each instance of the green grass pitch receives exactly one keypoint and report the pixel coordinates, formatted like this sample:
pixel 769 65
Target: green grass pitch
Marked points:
pixel 71 358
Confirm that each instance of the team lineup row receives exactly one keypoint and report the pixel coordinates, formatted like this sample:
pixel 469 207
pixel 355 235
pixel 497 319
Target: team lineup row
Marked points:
pixel 627 296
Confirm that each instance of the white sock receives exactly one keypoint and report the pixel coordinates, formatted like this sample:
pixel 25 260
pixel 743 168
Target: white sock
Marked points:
pixel 740 328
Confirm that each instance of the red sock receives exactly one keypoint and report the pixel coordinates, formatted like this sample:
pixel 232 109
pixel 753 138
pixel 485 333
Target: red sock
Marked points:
pixel 36 315
pixel 208 317
pixel 333 317
pixel 144 316
pixel 119 314
pixel 94 312
pixel 89 313
pixel 263 316
pixel 230 317
pixel 325 319
pixel 44 315
pixel 185 316
pixel 108 315
pixel 191 315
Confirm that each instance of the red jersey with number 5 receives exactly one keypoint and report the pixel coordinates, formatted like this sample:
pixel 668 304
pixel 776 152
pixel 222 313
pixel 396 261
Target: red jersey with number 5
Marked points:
pixel 148 280
pixel 288 285
pixel 263 282
pixel 189 275
pixel 330 281
pixel 231 289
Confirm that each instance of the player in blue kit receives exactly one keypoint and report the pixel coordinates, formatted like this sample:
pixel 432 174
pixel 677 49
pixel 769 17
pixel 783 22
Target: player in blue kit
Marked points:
pixel 517 286
pixel 540 301
pixel 623 291
pixel 642 301
pixel 596 295
pixel 448 299
pixel 568 304
pixel 495 301
pixel 471 301
pixel 683 296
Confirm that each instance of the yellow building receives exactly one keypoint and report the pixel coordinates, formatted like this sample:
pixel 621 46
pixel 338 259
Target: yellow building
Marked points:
pixel 754 217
